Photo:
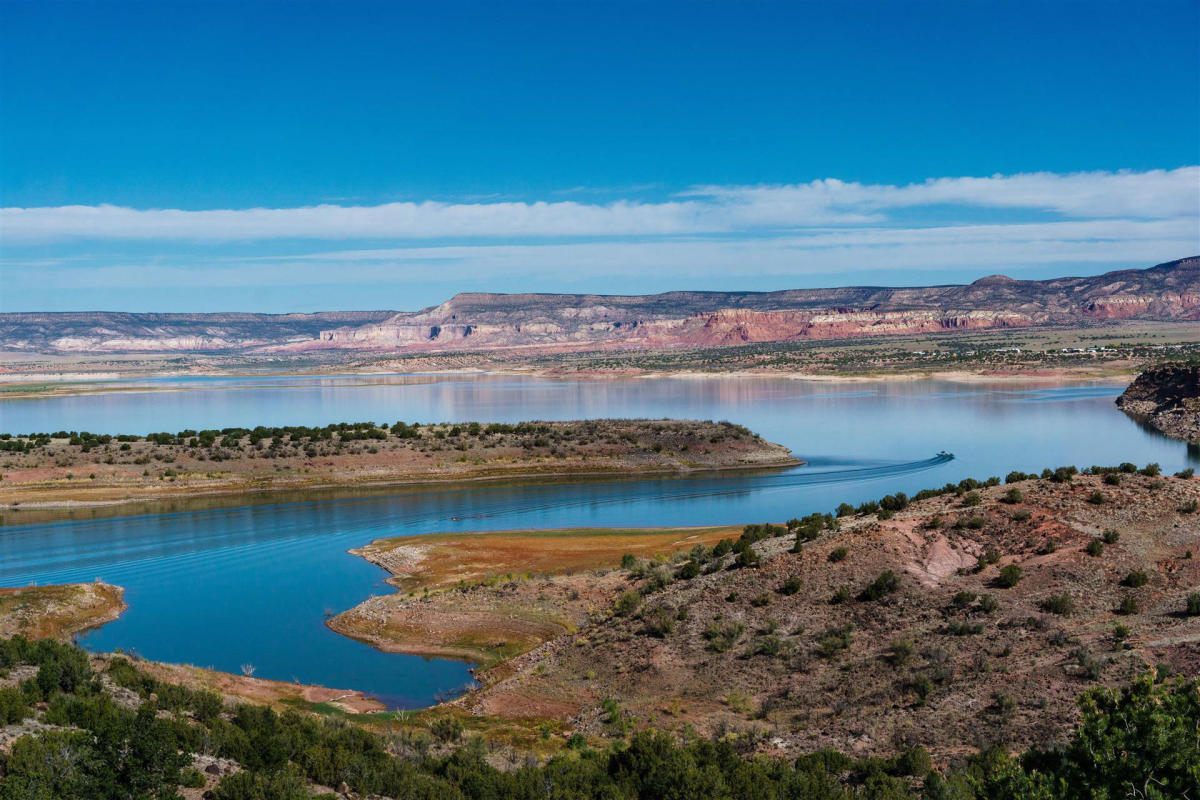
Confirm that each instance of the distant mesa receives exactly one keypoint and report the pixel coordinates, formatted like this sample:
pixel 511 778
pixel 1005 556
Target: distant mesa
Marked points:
pixel 994 280
pixel 549 322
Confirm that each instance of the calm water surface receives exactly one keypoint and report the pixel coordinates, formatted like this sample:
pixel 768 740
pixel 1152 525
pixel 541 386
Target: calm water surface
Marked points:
pixel 253 585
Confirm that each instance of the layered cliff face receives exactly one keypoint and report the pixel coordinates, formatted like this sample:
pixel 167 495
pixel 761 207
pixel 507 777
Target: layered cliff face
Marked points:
pixel 1166 398
pixel 480 321
pixel 111 332
pixel 674 319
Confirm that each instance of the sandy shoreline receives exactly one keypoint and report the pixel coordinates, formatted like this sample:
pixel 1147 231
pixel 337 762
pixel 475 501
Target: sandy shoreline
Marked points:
pixel 12 387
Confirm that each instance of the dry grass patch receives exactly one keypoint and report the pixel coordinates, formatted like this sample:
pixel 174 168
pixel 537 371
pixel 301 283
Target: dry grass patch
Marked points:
pixel 58 612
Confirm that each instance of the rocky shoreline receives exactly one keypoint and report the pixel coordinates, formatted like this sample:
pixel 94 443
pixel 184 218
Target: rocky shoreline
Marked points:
pixel 1166 398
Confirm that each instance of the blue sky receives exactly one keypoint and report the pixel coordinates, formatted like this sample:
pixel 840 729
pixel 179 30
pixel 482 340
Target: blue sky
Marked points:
pixel 302 156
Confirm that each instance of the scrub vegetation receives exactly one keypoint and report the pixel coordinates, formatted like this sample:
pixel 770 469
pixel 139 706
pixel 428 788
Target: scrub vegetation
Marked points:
pixel 73 733
pixel 70 469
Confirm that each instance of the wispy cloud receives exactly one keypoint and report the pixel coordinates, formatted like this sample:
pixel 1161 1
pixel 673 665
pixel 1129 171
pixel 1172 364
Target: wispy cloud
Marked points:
pixel 406 255
pixel 1156 194
pixel 745 210
pixel 689 262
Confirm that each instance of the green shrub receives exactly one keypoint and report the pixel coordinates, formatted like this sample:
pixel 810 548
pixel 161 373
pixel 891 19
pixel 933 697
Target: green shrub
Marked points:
pixel 834 641
pixel 746 558
pixel 13 707
pixel 838 554
pixel 1089 665
pixel 660 622
pixel 191 778
pixel 1192 606
pixel 1010 576
pixel 963 599
pixel 1095 547
pixel 883 585
pixel 1062 604
pixel 1003 704
pixel 446 728
pixel 1135 579
pixel 922 687
pixel 1128 605
pixel 285 785
pixel 900 652
pixel 769 646
pixel 1013 495
pixel 1111 536
pixel 989 557
pixel 790 586
pixel 627 603
pixel 721 637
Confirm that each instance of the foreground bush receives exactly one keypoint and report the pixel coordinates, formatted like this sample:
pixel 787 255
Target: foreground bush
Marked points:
pixel 1138 741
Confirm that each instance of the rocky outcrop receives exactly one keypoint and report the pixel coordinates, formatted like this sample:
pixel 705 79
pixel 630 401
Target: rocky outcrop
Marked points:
pixel 476 321
pixel 1168 399
pixel 112 332
pixel 681 319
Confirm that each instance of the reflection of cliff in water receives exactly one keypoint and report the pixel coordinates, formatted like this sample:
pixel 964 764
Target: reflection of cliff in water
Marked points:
pixel 1192 449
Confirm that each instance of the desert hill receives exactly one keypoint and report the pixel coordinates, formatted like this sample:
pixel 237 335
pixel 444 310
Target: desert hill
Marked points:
pixel 959 620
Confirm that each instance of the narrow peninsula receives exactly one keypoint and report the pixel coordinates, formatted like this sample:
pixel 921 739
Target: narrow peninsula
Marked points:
pixel 74 469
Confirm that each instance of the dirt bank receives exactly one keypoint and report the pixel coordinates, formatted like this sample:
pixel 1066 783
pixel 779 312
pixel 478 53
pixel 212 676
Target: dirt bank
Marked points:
pixel 58 611
pixel 486 597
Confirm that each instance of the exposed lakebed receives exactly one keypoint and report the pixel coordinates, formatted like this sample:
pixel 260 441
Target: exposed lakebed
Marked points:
pixel 253 585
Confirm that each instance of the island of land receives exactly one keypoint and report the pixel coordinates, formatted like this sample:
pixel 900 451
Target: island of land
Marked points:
pixel 77 469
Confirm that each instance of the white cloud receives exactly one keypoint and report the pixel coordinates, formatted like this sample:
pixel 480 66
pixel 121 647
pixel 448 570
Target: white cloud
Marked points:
pixel 690 262
pixel 746 210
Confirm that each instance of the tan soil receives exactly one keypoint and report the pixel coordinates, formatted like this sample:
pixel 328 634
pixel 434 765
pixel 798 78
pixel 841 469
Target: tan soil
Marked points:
pixel 1012 683
pixel 58 611
pixel 485 597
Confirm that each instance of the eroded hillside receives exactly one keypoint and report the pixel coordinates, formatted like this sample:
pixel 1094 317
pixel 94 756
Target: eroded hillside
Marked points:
pixel 964 619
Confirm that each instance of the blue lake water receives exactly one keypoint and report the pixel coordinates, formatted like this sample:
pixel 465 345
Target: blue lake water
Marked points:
pixel 252 585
